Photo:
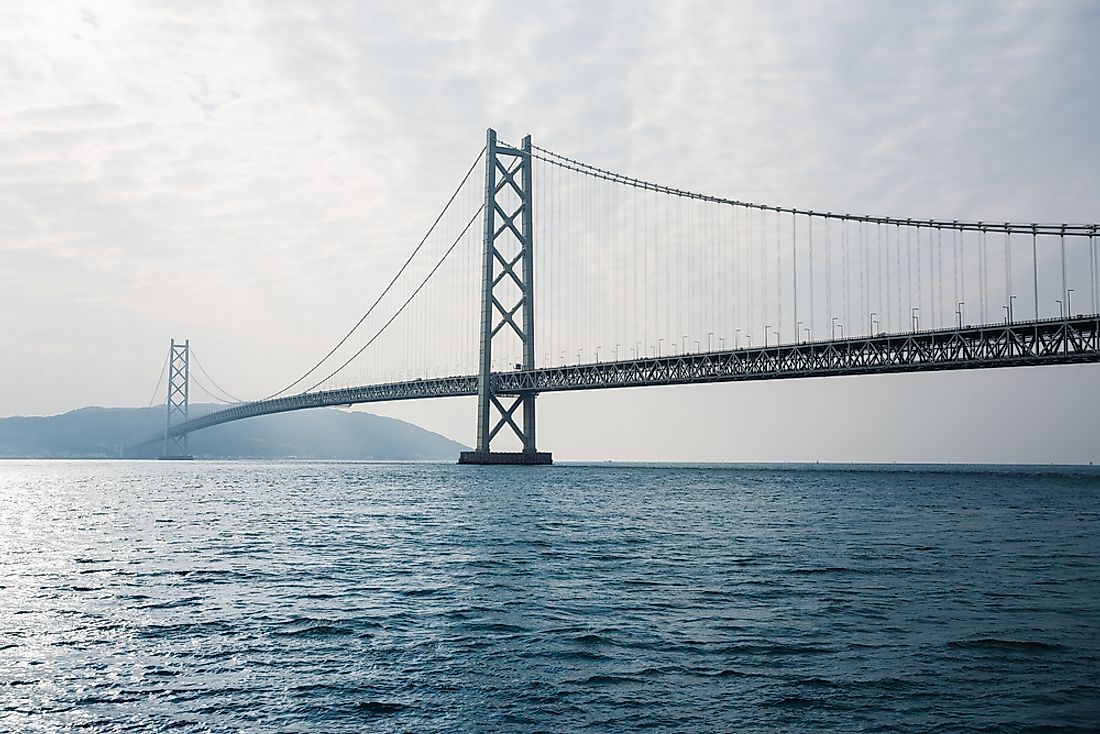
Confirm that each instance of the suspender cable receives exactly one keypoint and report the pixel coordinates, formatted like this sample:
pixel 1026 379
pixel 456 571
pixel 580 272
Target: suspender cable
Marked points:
pixel 920 281
pixel 405 304
pixel 389 286
pixel 955 262
pixel 939 274
pixel 897 268
pixel 962 268
pixel 1092 270
pixel 878 261
pixel 909 269
pixel 844 253
pixel 764 267
pixel 794 270
pixel 779 269
pixel 810 248
pixel 982 248
pixel 863 310
pixel 1065 293
pixel 829 275
pixel 749 284
pixel 1035 273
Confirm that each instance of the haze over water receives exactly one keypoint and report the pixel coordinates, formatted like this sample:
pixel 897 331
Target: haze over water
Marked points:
pixel 423 597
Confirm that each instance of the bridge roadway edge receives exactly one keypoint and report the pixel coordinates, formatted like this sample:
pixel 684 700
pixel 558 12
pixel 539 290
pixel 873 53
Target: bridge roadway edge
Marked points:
pixel 1021 344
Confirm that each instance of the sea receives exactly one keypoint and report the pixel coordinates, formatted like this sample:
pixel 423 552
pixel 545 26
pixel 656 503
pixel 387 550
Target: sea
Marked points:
pixel 359 597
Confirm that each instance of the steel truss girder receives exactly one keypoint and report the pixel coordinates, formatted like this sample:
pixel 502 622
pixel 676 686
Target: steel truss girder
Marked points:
pixel 1053 341
pixel 507 298
pixel 1031 343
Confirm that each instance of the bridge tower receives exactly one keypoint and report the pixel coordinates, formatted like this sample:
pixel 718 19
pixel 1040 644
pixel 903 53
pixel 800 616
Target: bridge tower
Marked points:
pixel 507 302
pixel 179 363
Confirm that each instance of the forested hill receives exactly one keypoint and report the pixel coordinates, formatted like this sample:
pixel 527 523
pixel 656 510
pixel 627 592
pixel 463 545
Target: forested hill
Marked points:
pixel 323 433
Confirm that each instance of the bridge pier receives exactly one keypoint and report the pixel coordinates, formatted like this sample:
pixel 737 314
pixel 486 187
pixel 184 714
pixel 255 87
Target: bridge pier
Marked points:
pixel 507 291
pixel 537 458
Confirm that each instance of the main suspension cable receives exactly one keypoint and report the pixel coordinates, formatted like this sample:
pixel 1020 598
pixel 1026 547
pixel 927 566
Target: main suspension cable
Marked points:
pixel 407 300
pixel 556 159
pixel 226 393
pixel 387 289
pixel 217 399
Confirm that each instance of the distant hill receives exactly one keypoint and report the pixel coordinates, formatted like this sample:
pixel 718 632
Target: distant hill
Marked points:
pixel 323 433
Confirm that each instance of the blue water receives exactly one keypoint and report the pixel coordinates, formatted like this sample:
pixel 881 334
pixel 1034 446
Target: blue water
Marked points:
pixel 335 597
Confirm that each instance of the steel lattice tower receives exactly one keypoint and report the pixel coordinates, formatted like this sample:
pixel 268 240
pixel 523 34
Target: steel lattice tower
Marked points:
pixel 507 302
pixel 179 362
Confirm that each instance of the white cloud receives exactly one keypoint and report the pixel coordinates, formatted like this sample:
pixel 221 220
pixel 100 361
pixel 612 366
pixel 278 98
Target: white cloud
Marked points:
pixel 249 174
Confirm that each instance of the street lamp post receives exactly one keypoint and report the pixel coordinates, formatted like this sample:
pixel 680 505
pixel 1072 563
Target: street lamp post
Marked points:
pixel 1010 300
pixel 1061 308
pixel 832 332
pixel 1069 302
pixel 959 312
pixel 916 317
pixel 660 345
pixel 871 321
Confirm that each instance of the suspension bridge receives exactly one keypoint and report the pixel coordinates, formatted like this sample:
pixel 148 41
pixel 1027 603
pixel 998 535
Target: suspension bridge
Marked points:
pixel 638 284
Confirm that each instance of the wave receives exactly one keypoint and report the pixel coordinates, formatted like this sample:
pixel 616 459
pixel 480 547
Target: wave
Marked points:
pixel 993 643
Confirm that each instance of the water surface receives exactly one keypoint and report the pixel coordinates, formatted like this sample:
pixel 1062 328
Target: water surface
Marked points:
pixel 332 597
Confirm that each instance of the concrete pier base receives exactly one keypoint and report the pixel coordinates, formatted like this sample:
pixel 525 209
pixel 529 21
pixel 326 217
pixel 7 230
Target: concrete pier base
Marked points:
pixel 538 458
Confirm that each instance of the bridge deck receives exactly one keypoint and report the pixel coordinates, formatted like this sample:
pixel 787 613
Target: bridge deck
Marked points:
pixel 1030 343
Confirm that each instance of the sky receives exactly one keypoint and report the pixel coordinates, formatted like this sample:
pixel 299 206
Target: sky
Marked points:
pixel 248 175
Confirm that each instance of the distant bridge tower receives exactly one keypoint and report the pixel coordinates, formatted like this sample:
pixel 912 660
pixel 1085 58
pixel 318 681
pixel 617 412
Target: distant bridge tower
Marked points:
pixel 507 302
pixel 179 363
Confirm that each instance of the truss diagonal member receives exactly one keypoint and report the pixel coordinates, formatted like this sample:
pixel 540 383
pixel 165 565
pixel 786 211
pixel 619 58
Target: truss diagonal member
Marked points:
pixel 509 176
pixel 506 318
pixel 508 268
pixel 506 417
pixel 509 223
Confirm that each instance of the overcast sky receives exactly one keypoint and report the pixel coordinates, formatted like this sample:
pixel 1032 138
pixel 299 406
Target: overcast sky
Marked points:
pixel 248 175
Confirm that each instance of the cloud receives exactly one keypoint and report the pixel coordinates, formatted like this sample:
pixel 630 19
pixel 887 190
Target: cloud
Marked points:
pixel 251 174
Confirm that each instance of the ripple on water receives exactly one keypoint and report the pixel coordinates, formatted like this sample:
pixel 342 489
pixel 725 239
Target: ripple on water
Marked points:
pixel 350 597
